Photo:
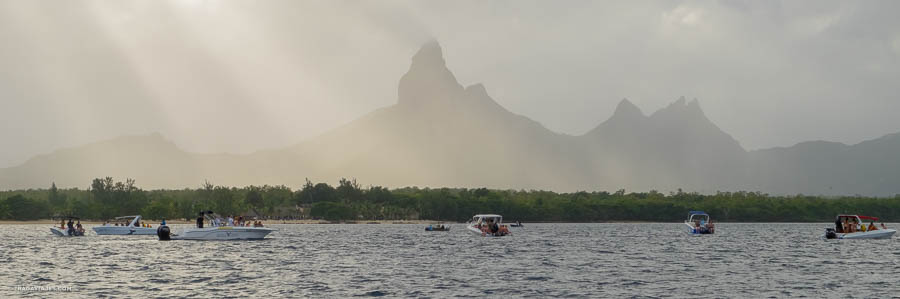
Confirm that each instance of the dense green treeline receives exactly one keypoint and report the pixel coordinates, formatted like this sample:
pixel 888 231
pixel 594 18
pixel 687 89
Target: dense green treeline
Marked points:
pixel 107 198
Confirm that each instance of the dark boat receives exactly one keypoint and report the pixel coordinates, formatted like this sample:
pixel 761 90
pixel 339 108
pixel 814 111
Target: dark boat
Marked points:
pixel 437 228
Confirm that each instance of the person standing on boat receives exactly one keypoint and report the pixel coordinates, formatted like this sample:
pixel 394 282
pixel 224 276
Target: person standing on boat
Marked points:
pixel 200 220
pixel 837 225
pixel 71 226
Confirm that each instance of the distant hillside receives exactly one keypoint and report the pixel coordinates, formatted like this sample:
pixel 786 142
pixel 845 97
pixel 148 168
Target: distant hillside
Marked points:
pixel 441 133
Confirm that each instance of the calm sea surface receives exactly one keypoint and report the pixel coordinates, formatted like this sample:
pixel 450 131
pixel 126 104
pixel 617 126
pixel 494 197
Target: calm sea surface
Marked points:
pixel 539 260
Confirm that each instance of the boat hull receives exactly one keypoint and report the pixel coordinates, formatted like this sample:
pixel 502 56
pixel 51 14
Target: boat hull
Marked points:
pixel 225 233
pixel 694 231
pixel 63 233
pixel 123 230
pixel 477 230
pixel 875 234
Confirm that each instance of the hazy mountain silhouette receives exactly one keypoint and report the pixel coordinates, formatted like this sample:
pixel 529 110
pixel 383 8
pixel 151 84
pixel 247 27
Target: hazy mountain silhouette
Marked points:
pixel 675 147
pixel 443 134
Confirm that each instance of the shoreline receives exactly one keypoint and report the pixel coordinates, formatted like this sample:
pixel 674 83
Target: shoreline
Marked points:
pixel 295 221
pixel 310 221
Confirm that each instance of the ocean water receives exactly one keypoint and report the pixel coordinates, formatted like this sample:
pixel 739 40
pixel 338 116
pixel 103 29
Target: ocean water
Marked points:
pixel 539 260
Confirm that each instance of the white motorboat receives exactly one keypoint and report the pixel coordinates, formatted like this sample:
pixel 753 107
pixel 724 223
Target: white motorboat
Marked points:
pixel 68 229
pixel 488 225
pixel 853 227
pixel 698 223
pixel 132 228
pixel 218 230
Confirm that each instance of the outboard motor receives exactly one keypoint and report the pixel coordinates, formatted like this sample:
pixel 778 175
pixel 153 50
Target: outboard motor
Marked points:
pixel 830 234
pixel 163 232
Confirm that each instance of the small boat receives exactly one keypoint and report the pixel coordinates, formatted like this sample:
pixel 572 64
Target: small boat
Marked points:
pixel 437 228
pixel 488 225
pixel 698 223
pixel 71 231
pixel 517 224
pixel 853 227
pixel 67 233
pixel 132 228
pixel 217 230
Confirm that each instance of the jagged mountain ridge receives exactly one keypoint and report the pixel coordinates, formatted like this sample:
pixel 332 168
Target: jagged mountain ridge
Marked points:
pixel 443 134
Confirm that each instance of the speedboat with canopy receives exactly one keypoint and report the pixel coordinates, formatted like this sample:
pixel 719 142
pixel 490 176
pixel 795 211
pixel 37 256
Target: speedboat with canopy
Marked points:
pixel 699 223
pixel 488 225
pixel 854 227
pixel 217 230
pixel 132 227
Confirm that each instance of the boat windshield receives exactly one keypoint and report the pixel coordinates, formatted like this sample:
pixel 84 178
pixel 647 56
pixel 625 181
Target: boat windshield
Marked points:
pixel 479 219
pixel 699 217
pixel 128 220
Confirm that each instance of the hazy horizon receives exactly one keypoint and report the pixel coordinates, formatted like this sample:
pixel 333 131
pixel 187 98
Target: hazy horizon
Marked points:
pixel 240 77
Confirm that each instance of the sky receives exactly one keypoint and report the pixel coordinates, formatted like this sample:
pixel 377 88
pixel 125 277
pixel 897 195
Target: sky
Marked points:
pixel 242 76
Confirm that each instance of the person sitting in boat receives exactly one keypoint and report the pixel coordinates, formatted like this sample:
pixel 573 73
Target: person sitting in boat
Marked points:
pixel 494 227
pixel 62 224
pixel 503 230
pixel 872 226
pixel 78 228
pixel 882 226
pixel 230 221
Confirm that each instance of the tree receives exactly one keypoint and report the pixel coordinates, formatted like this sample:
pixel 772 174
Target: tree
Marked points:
pixel 348 191
pixel 55 199
pixel 332 211
pixel 19 207
pixel 160 207
pixel 254 198
pixel 315 193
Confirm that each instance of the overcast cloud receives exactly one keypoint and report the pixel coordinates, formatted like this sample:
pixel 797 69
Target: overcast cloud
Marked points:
pixel 240 76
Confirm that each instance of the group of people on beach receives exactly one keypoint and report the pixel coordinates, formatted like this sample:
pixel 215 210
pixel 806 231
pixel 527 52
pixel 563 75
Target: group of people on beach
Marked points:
pixel 852 225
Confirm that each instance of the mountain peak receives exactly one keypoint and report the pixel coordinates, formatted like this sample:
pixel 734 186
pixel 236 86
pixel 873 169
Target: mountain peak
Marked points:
pixel 428 79
pixel 626 108
pixel 682 107
pixel 430 53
